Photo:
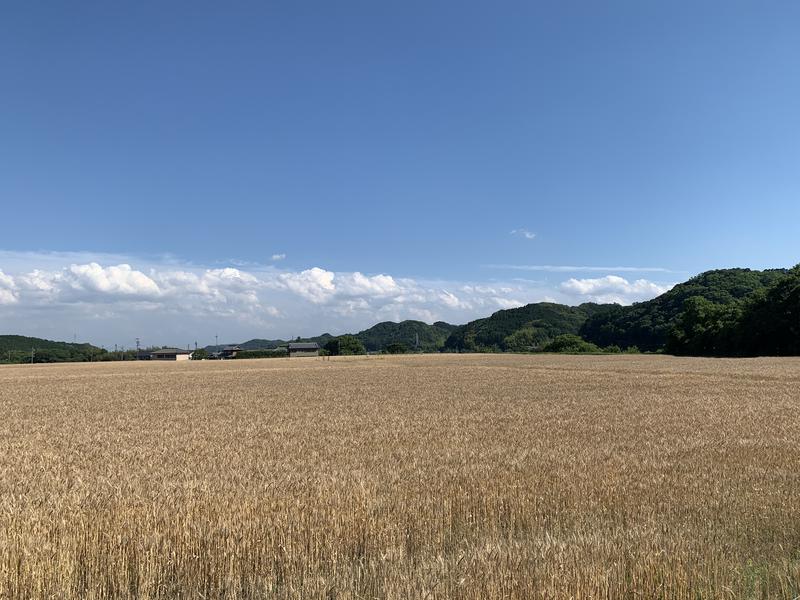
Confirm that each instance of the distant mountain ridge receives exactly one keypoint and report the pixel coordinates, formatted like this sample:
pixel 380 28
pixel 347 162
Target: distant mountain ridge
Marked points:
pixel 20 348
pixel 412 334
pixel 724 312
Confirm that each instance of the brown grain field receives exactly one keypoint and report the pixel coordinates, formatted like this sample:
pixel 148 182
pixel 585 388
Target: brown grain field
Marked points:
pixel 407 477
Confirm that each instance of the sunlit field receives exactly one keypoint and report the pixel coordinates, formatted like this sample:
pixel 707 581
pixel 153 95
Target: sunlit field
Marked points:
pixel 452 476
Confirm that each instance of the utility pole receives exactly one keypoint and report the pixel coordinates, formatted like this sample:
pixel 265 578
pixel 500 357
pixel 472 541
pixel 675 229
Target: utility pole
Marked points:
pixel 216 343
pixel 33 351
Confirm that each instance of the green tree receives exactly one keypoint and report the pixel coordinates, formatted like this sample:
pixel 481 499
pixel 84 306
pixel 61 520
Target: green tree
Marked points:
pixel 523 340
pixel 570 344
pixel 705 328
pixel 345 345
pixel 770 324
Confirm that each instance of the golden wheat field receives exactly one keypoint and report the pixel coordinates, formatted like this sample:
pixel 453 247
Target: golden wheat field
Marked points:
pixel 452 476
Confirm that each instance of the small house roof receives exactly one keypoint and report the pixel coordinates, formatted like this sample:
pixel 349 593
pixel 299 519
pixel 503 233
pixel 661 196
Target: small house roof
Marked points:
pixel 303 346
pixel 170 351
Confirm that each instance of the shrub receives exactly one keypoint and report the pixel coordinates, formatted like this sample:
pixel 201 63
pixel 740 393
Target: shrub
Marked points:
pixel 570 343
pixel 345 345
pixel 275 353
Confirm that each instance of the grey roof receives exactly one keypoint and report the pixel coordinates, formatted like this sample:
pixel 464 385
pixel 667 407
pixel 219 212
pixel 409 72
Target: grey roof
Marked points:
pixel 303 346
pixel 170 351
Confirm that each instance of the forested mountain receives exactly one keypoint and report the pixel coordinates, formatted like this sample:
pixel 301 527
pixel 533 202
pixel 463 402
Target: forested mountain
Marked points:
pixel 647 324
pixel 17 348
pixel 726 312
pixel 524 328
pixel 766 322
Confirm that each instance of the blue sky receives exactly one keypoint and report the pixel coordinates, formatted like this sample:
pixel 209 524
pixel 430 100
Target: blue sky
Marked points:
pixel 630 140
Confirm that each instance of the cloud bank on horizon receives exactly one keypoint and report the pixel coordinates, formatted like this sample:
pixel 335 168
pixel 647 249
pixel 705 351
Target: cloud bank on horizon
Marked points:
pixel 111 299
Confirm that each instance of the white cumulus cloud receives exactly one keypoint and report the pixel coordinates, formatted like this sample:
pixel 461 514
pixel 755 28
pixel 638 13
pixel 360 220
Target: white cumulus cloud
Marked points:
pixel 507 302
pixel 450 300
pixel 315 284
pixel 119 279
pixel 357 284
pixel 7 289
pixel 613 288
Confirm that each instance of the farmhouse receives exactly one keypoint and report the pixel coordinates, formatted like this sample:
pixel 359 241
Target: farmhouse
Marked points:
pixel 170 354
pixel 226 353
pixel 303 349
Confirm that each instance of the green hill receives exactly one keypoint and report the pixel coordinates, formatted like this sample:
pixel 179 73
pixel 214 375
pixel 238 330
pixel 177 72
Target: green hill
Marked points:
pixel 524 328
pixel 647 324
pixel 17 349
pixel 431 337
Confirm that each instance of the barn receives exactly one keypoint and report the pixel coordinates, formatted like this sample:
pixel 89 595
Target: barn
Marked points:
pixel 170 354
pixel 303 349
pixel 230 351
pixel 226 353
